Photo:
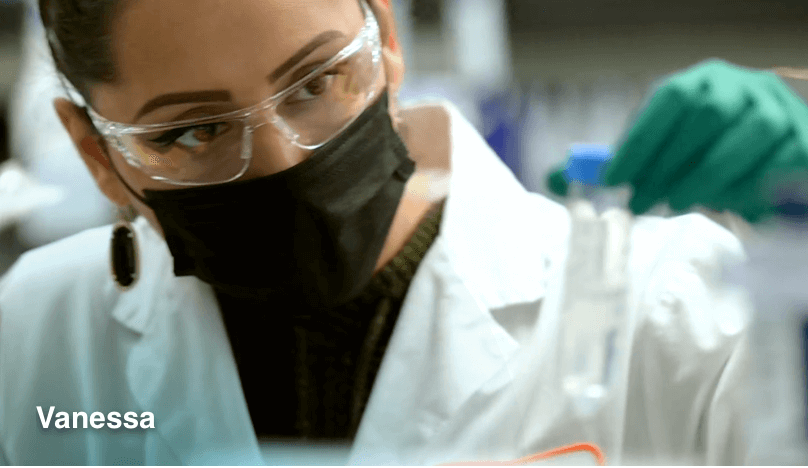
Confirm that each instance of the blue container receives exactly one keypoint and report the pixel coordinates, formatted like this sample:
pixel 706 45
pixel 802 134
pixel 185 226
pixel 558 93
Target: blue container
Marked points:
pixel 587 163
pixel 503 115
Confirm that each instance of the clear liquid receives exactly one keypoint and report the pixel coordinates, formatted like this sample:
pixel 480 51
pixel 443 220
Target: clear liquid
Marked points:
pixel 594 311
pixel 592 344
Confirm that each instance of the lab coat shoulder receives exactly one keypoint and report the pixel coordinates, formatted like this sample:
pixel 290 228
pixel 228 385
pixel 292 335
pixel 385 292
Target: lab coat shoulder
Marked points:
pixel 688 355
pixel 71 279
pixel 53 273
pixel 677 265
pixel 61 348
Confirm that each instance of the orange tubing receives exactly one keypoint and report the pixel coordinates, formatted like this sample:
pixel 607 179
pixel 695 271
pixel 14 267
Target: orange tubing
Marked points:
pixel 582 447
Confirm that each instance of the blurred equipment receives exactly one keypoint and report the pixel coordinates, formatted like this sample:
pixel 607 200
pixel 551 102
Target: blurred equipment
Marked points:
pixel 41 145
pixel 562 112
pixel 3 135
pixel 11 14
pixel 294 453
pixel 20 194
pixel 503 117
pixel 425 31
pixel 775 277
pixel 11 17
pixel 480 39
pixel 467 48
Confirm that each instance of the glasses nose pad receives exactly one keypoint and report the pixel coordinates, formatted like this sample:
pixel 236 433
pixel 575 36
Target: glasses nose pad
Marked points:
pixel 269 115
pixel 126 153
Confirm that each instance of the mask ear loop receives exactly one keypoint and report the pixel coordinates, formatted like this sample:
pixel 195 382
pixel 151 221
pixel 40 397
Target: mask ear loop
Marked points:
pixel 105 151
pixel 400 125
pixel 124 255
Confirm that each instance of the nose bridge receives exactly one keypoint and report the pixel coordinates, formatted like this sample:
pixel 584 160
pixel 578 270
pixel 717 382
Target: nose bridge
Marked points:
pixel 263 116
pixel 268 116
pixel 272 150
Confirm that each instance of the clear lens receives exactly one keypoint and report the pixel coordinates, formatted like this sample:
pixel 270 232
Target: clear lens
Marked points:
pixel 207 152
pixel 323 106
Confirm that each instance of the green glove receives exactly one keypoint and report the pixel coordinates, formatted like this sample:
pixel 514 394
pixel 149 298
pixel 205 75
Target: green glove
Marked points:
pixel 715 135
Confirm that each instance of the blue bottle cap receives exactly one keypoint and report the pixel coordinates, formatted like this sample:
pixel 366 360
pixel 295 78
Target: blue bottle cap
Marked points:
pixel 587 163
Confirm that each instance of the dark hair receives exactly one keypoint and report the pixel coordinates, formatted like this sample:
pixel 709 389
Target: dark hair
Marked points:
pixel 78 34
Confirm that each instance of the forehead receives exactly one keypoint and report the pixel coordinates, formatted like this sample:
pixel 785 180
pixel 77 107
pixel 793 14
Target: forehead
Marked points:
pixel 170 46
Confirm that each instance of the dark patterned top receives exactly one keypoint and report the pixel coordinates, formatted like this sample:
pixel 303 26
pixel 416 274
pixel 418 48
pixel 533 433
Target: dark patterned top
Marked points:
pixel 310 376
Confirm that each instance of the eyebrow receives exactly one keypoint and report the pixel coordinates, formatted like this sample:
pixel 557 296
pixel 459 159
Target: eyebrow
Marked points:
pixel 181 98
pixel 224 95
pixel 321 39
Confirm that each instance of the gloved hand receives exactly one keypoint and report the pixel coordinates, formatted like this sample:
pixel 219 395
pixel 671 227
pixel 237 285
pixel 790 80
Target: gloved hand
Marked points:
pixel 715 135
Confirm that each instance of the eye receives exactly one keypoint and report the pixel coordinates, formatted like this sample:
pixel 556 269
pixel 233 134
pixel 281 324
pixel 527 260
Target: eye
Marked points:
pixel 192 137
pixel 316 87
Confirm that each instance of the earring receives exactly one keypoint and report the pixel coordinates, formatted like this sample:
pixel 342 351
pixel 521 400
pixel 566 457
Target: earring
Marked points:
pixel 124 253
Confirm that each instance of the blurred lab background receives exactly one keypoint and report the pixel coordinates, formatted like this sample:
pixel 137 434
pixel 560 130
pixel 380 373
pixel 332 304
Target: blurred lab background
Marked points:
pixel 533 75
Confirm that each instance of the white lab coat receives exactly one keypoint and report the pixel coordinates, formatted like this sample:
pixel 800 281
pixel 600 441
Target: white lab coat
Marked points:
pixel 464 377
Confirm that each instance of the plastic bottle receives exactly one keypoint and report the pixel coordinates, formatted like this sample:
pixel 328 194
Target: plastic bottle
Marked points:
pixel 775 277
pixel 595 293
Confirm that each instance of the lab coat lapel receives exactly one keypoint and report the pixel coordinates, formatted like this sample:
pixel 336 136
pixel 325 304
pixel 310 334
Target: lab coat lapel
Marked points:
pixel 182 369
pixel 445 346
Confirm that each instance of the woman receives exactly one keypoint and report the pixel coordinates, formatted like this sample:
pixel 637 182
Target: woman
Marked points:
pixel 286 262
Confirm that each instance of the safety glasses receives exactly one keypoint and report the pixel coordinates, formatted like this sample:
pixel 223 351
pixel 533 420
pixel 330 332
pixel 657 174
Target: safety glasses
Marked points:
pixel 218 149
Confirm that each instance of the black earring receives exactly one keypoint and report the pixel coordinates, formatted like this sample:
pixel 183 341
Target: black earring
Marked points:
pixel 124 254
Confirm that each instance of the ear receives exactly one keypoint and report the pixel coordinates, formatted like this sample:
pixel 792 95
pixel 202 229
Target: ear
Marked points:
pixel 92 150
pixel 391 52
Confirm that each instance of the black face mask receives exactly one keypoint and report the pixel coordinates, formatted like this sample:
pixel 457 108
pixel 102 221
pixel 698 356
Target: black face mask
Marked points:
pixel 312 233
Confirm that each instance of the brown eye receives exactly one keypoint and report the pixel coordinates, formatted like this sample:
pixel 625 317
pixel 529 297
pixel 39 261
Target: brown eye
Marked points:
pixel 314 88
pixel 205 134
pixel 192 137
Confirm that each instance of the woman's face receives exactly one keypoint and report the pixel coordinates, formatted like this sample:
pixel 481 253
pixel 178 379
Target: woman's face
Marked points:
pixel 176 56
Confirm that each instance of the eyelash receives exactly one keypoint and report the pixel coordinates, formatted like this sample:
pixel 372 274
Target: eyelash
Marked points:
pixel 305 87
pixel 170 137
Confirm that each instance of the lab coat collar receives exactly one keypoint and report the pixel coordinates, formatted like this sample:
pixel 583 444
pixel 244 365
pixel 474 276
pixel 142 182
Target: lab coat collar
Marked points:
pixel 136 306
pixel 494 229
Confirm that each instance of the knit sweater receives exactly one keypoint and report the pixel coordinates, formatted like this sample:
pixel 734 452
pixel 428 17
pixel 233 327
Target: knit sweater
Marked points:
pixel 309 374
